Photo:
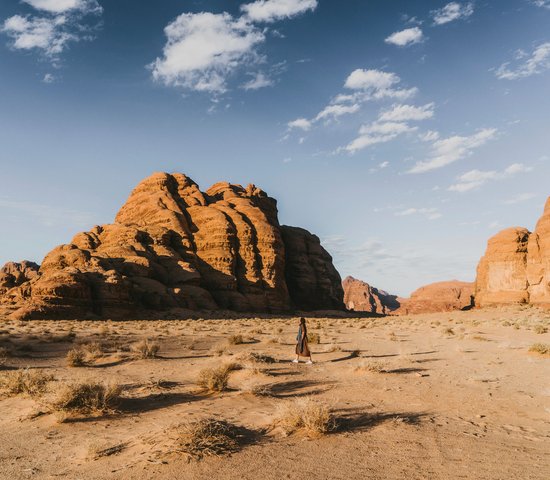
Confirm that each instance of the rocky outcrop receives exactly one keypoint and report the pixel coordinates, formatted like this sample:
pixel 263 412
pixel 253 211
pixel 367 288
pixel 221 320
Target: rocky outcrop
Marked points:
pixel 359 296
pixel 173 246
pixel 13 274
pixel 439 297
pixel 516 266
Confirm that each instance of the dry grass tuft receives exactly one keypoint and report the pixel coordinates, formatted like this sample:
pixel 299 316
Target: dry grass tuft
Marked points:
pixel 216 379
pixel 448 331
pixel 305 415
pixel 333 348
pixel 313 338
pixel 540 348
pixel 76 357
pixel 207 437
pixel 540 329
pixel 372 366
pixel 145 349
pixel 98 450
pixel 256 357
pixel 235 339
pixel 32 383
pixel 4 354
pixel 87 398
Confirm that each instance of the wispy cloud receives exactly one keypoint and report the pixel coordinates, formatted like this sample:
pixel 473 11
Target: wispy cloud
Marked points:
pixel 258 80
pixel 409 36
pixel 429 213
pixel 475 179
pixel 521 197
pixel 451 12
pixel 538 62
pixel 56 24
pixel 49 215
pixel 449 150
pixel 404 113
pixel 541 3
pixel 378 132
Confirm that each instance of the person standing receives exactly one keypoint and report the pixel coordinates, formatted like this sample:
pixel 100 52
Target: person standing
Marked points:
pixel 302 348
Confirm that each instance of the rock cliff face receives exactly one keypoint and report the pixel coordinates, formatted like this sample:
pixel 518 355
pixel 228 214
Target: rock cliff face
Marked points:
pixel 13 274
pixel 516 266
pixel 173 246
pixel 359 296
pixel 439 297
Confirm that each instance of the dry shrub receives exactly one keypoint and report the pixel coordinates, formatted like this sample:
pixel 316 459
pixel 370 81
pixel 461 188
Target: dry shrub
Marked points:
pixel 235 339
pixel 372 366
pixel 540 329
pixel 4 354
pixel 76 357
pixel 207 437
pixel 32 383
pixel 87 397
pixel 145 349
pixel 305 415
pixel 313 338
pixel 256 357
pixel 258 390
pixel 540 348
pixel 216 379
pixel 448 331
pixel 333 348
pixel 98 450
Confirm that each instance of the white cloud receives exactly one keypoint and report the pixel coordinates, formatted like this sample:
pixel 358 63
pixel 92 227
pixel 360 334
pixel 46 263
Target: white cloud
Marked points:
pixel 541 3
pixel 361 79
pixel 337 110
pixel 406 37
pixel 429 136
pixel 403 113
pixel 273 10
pixel 202 49
pixel 449 150
pixel 48 78
pixel 476 178
pixel 522 197
pixel 61 23
pixel 63 6
pixel 259 80
pixel 377 133
pixel 429 213
pixel 383 165
pixel 452 11
pixel 538 62
pixel 300 123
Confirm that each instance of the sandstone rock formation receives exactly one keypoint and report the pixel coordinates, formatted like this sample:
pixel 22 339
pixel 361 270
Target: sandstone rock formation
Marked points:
pixel 439 297
pixel 173 246
pixel 13 274
pixel 359 296
pixel 516 266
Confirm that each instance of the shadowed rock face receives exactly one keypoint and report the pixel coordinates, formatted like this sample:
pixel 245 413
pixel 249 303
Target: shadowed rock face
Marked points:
pixel 359 296
pixel 516 266
pixel 173 246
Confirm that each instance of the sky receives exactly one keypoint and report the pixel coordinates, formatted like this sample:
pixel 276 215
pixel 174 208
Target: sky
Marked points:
pixel 404 134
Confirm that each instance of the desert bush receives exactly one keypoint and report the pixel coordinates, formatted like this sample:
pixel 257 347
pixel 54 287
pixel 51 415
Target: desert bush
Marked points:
pixel 313 338
pixel 76 357
pixel 87 397
pixel 256 357
pixel 4 354
pixel 540 329
pixel 145 349
pixel 448 331
pixel 216 379
pixel 235 339
pixel 32 383
pixel 540 348
pixel 306 415
pixel 258 390
pixel 333 348
pixel 207 437
pixel 372 366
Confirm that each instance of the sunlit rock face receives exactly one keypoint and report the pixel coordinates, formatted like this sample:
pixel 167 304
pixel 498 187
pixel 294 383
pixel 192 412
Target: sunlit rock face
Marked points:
pixel 173 246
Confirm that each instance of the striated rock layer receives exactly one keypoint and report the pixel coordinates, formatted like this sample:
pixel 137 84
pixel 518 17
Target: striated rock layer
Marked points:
pixel 439 297
pixel 173 246
pixel 516 266
pixel 359 296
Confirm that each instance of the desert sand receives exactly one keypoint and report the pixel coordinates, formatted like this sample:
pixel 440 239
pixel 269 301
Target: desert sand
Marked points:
pixel 433 396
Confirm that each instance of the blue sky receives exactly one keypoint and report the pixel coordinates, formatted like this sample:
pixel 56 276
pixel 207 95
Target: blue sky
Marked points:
pixel 403 133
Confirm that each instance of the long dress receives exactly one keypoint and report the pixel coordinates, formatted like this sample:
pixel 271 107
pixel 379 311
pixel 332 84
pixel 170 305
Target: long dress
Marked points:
pixel 302 348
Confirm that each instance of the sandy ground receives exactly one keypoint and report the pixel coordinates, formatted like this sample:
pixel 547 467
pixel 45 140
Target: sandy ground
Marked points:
pixel 460 397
